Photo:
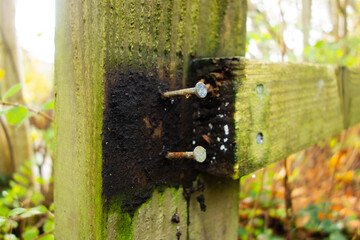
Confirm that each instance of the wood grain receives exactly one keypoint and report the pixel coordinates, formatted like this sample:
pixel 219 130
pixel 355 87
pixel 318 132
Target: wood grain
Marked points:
pixel 293 106
pixel 94 37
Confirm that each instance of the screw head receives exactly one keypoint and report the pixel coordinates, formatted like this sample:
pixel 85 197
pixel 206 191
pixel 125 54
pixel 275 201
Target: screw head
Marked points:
pixel 199 154
pixel 200 90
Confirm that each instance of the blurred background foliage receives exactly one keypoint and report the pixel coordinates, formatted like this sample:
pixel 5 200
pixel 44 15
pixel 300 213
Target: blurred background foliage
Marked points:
pixel 26 119
pixel 313 194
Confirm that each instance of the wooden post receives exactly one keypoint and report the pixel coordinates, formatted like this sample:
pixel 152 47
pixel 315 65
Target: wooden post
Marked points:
pixel 113 58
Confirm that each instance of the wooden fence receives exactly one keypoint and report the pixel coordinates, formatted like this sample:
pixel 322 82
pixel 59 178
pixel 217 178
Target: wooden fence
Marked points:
pixel 114 58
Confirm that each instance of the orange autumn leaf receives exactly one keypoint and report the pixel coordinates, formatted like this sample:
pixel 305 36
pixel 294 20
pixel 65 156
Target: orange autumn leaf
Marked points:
pixel 346 177
pixel 336 158
pixel 321 216
pixel 279 195
pixel 335 208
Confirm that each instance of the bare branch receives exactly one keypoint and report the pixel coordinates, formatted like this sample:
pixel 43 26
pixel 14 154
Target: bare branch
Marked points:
pixel 41 113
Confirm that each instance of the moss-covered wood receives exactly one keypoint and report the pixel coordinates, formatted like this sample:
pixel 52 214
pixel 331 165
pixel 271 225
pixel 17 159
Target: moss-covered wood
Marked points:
pixel 350 90
pixel 282 108
pixel 279 109
pixel 94 38
pixel 78 113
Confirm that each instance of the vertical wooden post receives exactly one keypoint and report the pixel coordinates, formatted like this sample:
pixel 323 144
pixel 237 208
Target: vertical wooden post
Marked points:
pixel 105 46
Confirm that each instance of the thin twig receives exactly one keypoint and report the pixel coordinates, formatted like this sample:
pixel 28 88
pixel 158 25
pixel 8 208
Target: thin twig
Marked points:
pixel 30 109
pixel 41 222
pixel 51 214
pixel 257 200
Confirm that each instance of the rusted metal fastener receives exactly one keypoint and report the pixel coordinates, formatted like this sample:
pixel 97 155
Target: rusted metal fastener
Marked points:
pixel 199 154
pixel 200 90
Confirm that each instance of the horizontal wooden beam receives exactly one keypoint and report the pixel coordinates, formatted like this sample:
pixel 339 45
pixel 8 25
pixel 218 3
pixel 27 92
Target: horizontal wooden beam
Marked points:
pixel 282 108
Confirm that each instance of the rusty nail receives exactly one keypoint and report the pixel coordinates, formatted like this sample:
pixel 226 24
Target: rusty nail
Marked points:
pixel 199 154
pixel 200 90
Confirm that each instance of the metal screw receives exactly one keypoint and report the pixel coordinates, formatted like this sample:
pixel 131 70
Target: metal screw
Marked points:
pixel 200 90
pixel 199 154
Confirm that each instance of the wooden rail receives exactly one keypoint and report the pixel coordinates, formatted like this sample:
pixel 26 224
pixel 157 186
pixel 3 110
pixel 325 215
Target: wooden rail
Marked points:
pixel 291 106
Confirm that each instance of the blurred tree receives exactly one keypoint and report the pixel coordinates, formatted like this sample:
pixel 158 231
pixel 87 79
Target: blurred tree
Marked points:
pixel 306 20
pixel 15 147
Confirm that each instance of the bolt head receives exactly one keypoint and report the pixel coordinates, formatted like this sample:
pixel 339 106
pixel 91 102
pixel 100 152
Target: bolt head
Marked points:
pixel 199 154
pixel 200 90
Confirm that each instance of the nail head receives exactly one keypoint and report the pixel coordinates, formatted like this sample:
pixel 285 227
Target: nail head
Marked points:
pixel 200 90
pixel 199 154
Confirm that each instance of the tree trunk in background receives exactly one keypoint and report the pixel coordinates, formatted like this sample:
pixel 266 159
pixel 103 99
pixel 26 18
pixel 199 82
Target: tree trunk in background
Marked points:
pixel 11 62
pixel 306 21
pixel 341 5
pixel 334 18
pixel 95 38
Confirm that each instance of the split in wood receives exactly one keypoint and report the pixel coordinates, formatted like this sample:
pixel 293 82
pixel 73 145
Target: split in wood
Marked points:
pixel 200 90
pixel 199 155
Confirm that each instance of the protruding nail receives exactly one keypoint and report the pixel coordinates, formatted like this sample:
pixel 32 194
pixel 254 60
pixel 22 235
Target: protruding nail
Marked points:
pixel 199 154
pixel 200 90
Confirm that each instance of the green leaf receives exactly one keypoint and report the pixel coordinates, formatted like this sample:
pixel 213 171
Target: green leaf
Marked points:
pixel 16 115
pixel 25 171
pixel 10 237
pixel 319 44
pixel 49 225
pixel 40 180
pixel 30 233
pixel 12 224
pixel 14 89
pixel 20 179
pixel 16 211
pixel 242 232
pixel 328 226
pixel 2 221
pixel 34 211
pixel 49 105
pixel 337 236
pixel 47 237
pixel 51 208
pixel 37 198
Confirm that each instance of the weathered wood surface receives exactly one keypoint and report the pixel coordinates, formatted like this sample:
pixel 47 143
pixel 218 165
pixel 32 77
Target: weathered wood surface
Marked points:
pixel 350 81
pixel 95 37
pixel 292 105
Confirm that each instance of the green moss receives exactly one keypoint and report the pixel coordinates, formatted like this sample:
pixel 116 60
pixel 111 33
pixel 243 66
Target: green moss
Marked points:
pixel 298 106
pixel 218 12
pixel 93 37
